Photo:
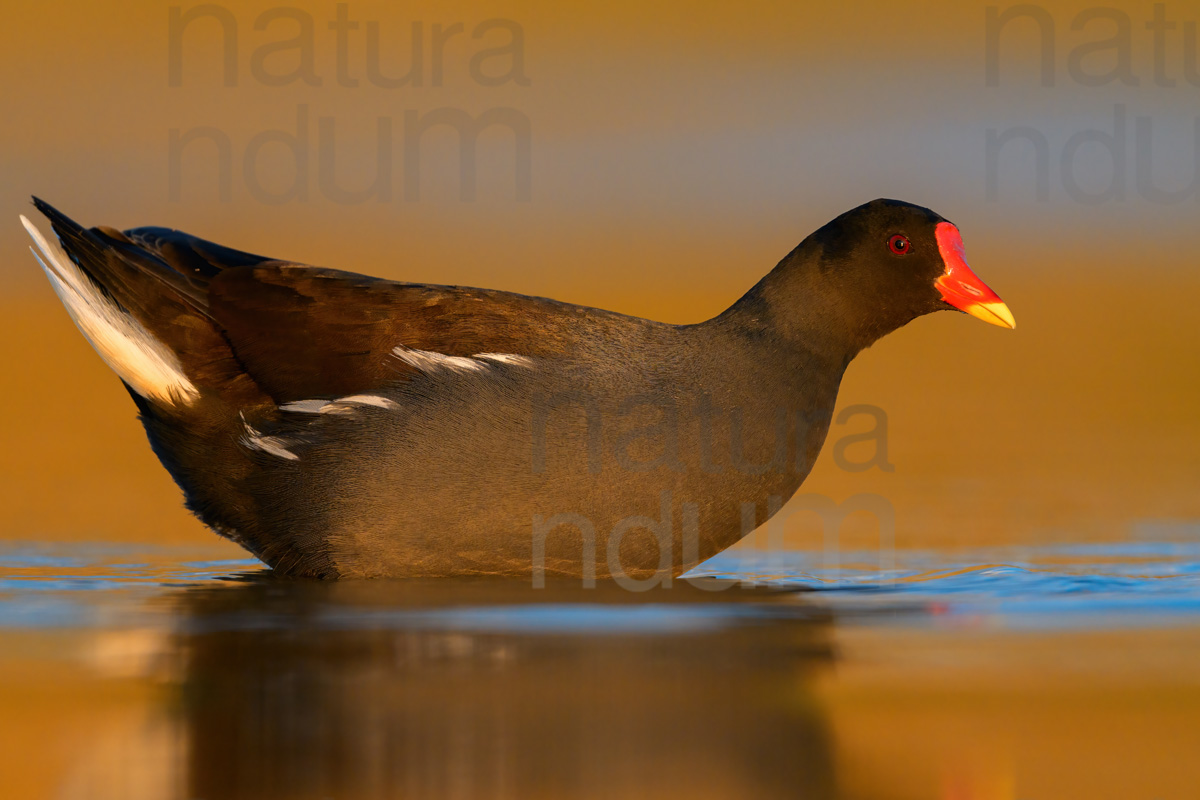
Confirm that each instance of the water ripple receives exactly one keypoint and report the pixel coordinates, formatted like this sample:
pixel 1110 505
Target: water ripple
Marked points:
pixel 1099 585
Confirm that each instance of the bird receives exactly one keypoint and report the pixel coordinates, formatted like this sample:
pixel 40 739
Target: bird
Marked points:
pixel 341 426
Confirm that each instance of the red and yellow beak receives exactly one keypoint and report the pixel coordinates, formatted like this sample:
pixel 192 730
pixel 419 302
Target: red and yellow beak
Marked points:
pixel 961 288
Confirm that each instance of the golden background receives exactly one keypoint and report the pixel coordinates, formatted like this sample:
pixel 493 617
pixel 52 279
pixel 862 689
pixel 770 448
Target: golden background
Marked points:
pixel 678 151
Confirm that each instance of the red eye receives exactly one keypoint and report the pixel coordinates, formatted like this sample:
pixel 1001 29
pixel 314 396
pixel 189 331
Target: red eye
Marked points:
pixel 899 244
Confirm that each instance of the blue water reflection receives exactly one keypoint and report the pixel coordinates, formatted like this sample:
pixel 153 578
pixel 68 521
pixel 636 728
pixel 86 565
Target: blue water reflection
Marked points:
pixel 1139 583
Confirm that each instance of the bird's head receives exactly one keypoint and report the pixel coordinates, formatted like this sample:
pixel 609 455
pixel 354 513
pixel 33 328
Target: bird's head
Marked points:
pixel 872 270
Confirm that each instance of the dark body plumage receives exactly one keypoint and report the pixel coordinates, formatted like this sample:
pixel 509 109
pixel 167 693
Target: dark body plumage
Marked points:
pixel 338 425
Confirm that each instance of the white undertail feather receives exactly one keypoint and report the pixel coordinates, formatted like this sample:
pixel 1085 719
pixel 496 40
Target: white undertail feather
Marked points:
pixel 141 360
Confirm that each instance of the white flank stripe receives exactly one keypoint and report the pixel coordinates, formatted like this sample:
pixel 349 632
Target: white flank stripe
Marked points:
pixel 141 360
pixel 506 358
pixel 305 406
pixel 343 405
pixel 429 361
pixel 273 445
pixel 369 400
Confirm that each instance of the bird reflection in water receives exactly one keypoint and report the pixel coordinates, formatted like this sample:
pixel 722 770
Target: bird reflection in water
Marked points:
pixel 492 689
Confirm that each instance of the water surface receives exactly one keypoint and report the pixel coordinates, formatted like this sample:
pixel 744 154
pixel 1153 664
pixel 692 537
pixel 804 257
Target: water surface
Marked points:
pixel 1052 672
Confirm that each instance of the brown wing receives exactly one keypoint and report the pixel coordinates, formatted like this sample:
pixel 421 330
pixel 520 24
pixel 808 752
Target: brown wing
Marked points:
pixel 303 332
pixel 187 254
pixel 306 332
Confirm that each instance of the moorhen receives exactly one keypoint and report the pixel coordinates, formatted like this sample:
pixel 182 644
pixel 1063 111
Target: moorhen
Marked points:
pixel 342 426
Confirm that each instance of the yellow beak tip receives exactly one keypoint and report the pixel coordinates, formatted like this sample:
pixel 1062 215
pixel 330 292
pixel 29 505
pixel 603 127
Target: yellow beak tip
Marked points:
pixel 993 313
